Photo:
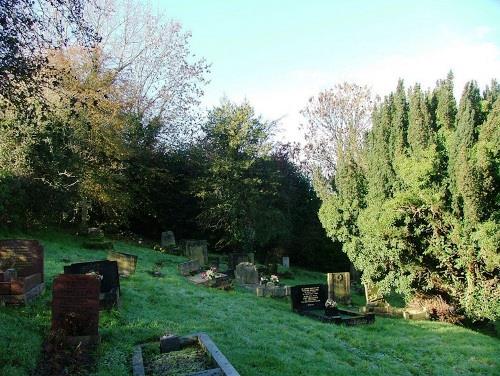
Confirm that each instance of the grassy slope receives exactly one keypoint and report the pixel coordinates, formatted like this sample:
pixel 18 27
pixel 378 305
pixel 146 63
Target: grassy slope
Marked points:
pixel 260 336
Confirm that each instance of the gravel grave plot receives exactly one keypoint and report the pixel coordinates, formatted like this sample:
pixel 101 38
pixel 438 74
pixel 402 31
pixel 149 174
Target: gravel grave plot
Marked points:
pixel 176 363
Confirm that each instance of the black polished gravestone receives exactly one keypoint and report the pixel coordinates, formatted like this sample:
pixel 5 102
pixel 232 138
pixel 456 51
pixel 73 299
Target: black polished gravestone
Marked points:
pixel 310 300
pixel 308 297
pixel 110 282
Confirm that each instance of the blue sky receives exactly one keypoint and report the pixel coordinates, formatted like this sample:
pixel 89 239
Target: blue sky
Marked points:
pixel 278 53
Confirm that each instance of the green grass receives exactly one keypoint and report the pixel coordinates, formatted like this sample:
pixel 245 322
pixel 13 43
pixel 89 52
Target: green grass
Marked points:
pixel 260 336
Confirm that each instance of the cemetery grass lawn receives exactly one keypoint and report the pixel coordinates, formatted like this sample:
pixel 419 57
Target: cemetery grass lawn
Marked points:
pixel 260 336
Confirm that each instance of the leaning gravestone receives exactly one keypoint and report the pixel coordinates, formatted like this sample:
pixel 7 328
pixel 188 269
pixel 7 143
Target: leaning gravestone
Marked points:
pixel 341 286
pixel 246 274
pixel 126 262
pixel 21 271
pixel 110 282
pixel 75 308
pixel 167 239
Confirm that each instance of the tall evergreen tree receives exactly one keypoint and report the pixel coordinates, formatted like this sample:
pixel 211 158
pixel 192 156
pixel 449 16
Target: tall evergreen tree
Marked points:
pixel 419 121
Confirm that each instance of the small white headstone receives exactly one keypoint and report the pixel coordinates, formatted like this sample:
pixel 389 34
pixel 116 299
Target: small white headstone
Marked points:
pixel 286 262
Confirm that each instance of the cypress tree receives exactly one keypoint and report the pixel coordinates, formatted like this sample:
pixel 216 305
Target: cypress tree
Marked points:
pixel 399 121
pixel 419 121
pixel 463 175
pixel 446 107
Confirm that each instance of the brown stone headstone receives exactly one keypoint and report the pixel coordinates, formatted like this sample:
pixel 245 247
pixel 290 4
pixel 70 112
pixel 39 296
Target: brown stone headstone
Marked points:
pixel 26 256
pixel 126 262
pixel 341 286
pixel 75 305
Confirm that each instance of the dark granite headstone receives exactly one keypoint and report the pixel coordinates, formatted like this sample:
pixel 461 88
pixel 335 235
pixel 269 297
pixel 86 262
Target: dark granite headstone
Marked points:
pixel 107 269
pixel 308 297
pixel 26 256
pixel 75 305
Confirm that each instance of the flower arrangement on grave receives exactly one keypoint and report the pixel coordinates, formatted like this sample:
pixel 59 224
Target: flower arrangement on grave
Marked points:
pixel 330 307
pixel 209 274
pixel 273 280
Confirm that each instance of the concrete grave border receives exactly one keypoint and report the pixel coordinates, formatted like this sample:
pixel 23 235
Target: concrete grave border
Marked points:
pixel 224 367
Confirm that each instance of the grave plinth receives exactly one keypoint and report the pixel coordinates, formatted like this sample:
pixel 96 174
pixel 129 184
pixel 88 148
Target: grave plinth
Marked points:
pixel 110 282
pixel 309 300
pixel 75 308
pixel 21 271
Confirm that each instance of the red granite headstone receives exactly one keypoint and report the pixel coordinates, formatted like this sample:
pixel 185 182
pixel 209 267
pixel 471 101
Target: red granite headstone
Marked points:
pixel 75 304
pixel 26 256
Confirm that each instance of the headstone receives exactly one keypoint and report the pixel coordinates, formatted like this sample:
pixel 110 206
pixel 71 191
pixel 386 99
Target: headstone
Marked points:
pixel 189 267
pixel 167 239
pixel 110 282
pixel 341 287
pixel 308 297
pixel 95 239
pixel 169 343
pixel 237 258
pixel 372 295
pixel 26 256
pixel 197 250
pixel 75 305
pixel 286 262
pixel 246 273
pixel 126 262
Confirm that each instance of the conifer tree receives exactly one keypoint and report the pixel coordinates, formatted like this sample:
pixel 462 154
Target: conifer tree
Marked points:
pixel 419 121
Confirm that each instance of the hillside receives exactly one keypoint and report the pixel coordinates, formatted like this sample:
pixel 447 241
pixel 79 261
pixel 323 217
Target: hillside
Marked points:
pixel 260 336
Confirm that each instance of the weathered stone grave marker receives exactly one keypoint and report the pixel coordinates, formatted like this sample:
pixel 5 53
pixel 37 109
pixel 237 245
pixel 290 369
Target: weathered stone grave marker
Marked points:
pixel 286 262
pixel 167 239
pixel 236 258
pixel 110 282
pixel 75 307
pixel 21 271
pixel 95 239
pixel 340 282
pixel 196 250
pixel 126 262
pixel 246 273
pixel 189 267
